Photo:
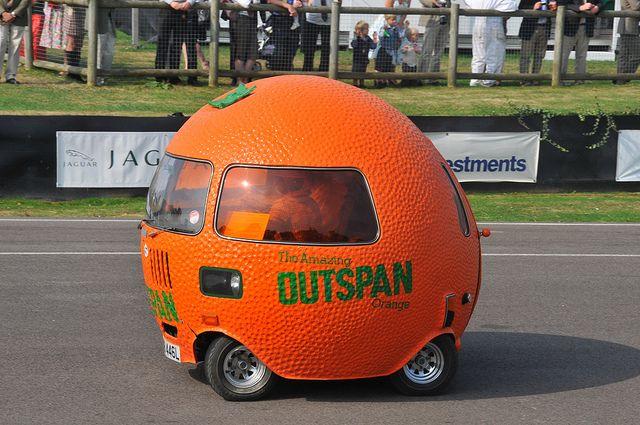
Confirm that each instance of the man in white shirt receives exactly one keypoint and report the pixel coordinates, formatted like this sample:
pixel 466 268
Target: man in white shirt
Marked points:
pixel 316 24
pixel 489 41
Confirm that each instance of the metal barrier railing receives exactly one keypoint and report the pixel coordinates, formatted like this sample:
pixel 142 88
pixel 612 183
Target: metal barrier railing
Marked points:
pixel 214 72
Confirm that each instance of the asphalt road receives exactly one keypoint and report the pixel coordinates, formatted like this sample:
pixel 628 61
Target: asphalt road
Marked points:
pixel 555 338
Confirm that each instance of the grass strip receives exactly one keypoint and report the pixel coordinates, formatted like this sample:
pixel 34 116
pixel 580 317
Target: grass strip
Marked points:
pixel 609 207
pixel 87 207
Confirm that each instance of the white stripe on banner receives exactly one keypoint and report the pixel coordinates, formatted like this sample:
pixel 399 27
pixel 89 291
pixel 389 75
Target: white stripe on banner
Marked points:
pixel 490 157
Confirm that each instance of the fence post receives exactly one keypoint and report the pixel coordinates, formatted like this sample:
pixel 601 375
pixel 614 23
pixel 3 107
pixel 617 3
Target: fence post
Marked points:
pixel 556 73
pixel 92 53
pixel 214 30
pixel 334 39
pixel 454 19
pixel 135 27
pixel 28 40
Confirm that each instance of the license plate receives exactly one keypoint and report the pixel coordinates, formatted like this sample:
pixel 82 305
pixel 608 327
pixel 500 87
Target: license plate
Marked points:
pixel 172 351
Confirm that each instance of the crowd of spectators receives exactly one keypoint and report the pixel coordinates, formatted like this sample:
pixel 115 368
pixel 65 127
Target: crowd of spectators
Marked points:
pixel 391 41
pixel 54 26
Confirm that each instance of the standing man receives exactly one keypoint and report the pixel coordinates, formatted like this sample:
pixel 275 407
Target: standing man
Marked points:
pixel 436 36
pixel 286 35
pixel 316 24
pixel 177 25
pixel 13 19
pixel 534 33
pixel 489 41
pixel 629 43
pixel 106 41
pixel 245 41
pixel 577 32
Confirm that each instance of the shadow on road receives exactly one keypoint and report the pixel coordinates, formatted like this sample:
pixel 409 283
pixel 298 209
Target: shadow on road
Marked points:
pixel 495 364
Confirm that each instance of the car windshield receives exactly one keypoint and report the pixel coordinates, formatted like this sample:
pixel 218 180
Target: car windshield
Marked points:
pixel 178 194
pixel 297 205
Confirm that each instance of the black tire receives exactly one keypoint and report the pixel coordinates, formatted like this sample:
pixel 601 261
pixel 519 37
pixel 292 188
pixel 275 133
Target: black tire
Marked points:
pixel 437 384
pixel 214 364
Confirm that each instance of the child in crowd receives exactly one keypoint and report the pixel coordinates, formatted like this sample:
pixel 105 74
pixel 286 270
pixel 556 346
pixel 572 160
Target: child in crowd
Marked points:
pixel 389 39
pixel 410 50
pixel 362 44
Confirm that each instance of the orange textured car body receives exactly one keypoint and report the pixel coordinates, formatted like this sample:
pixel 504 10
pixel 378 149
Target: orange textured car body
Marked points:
pixel 428 262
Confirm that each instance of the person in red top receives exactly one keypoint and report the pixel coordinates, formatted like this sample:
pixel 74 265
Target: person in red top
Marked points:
pixel 37 25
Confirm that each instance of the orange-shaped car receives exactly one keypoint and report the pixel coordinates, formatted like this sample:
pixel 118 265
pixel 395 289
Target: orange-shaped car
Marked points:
pixel 303 228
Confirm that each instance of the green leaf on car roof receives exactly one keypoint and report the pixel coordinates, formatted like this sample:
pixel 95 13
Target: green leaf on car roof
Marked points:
pixel 232 97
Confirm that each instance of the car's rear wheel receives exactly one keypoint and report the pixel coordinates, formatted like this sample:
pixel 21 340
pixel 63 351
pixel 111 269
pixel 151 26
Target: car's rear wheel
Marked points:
pixel 235 373
pixel 430 371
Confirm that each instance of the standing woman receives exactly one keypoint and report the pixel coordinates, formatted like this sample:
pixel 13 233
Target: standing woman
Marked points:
pixel 436 36
pixel 52 31
pixel 73 25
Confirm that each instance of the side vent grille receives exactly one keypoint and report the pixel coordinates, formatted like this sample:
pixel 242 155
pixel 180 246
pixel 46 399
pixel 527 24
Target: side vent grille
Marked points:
pixel 160 268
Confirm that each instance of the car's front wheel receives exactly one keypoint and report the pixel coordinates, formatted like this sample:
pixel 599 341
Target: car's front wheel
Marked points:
pixel 235 373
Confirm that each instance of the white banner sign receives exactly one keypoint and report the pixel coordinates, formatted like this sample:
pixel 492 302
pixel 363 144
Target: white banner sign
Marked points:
pixel 490 157
pixel 108 159
pixel 628 164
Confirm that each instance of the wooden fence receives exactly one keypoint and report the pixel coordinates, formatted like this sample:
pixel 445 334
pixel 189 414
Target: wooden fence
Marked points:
pixel 336 10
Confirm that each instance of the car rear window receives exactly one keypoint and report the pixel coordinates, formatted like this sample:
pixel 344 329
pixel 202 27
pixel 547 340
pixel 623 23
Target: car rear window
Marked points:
pixel 297 205
pixel 457 200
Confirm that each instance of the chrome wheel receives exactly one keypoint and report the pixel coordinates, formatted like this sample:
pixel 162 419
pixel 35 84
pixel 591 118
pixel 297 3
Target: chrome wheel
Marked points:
pixel 426 366
pixel 242 368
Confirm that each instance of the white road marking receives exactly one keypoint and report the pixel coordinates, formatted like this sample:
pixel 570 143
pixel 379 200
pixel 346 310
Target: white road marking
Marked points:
pixel 126 220
pixel 489 254
pixel 556 224
pixel 486 254
pixel 72 220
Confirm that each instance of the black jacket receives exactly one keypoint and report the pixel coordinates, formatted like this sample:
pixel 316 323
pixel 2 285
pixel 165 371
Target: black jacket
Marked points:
pixel 572 24
pixel 528 25
pixel 361 47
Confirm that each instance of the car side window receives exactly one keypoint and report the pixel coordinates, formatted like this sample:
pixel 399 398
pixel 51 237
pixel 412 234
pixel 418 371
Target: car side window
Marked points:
pixel 297 205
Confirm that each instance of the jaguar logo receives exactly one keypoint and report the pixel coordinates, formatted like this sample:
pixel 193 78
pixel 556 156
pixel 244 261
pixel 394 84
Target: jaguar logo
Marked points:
pixel 79 159
pixel 77 154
